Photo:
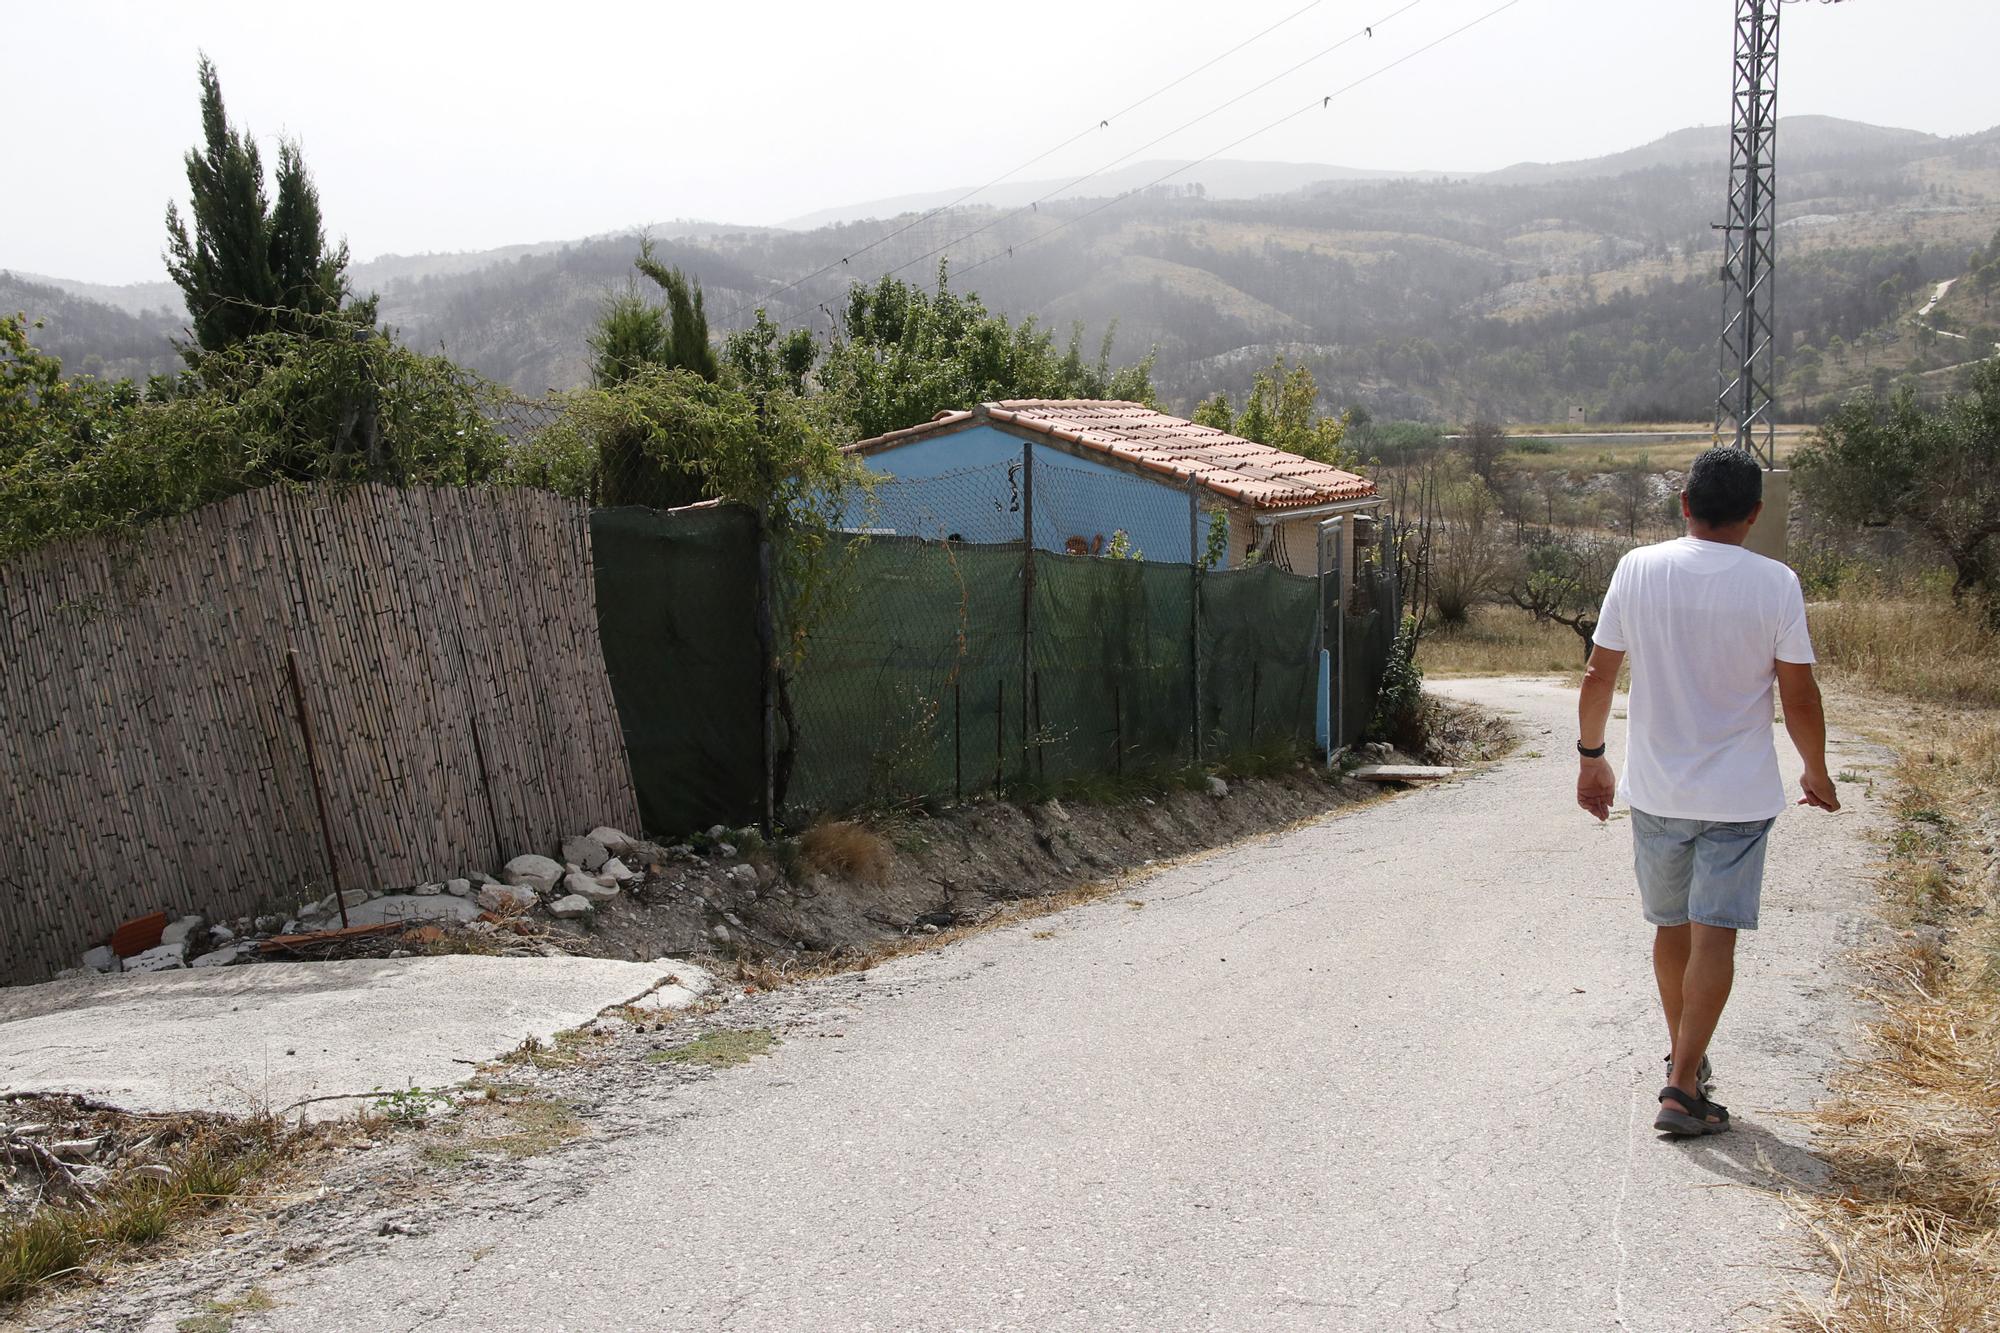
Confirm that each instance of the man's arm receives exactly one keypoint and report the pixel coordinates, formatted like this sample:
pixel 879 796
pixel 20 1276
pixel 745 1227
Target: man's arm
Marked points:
pixel 1596 782
pixel 1805 720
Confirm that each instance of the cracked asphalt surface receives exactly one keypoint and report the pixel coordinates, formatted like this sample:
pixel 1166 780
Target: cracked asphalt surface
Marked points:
pixel 1391 1070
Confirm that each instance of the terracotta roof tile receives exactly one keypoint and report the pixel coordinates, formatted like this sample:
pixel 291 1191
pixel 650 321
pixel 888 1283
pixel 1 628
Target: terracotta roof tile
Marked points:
pixel 1132 433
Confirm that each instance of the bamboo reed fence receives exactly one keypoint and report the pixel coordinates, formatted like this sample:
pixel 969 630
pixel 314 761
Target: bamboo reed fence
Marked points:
pixel 150 754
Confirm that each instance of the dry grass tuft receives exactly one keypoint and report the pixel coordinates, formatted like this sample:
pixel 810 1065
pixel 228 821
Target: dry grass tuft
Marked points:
pixel 1920 647
pixel 847 850
pixel 61 1241
pixel 1911 1222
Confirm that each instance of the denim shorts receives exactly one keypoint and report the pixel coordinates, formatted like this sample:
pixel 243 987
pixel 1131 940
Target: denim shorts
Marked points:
pixel 1701 870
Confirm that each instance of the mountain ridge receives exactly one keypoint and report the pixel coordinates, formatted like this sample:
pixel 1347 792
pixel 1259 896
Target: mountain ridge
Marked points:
pixel 1522 292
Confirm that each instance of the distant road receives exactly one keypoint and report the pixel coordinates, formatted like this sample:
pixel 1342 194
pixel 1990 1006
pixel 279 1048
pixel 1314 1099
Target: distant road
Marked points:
pixel 1624 436
pixel 1936 296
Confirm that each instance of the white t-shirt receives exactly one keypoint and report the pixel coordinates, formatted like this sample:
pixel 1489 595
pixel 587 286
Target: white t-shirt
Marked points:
pixel 1704 623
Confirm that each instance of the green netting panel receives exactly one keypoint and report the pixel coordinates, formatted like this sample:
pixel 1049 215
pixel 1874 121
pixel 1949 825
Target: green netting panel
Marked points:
pixel 1111 686
pixel 1371 637
pixel 910 686
pixel 676 608
pixel 1260 662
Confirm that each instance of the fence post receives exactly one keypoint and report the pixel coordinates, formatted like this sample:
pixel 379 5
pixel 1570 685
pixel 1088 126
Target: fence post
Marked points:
pixel 767 682
pixel 319 791
pixel 1322 673
pixel 1195 564
pixel 1392 565
pixel 1027 602
pixel 1339 729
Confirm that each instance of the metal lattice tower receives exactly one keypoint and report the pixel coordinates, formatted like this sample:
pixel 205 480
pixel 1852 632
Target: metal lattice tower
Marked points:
pixel 1745 407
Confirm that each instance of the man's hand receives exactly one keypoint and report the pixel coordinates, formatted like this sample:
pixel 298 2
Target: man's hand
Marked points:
pixel 1819 791
pixel 1596 787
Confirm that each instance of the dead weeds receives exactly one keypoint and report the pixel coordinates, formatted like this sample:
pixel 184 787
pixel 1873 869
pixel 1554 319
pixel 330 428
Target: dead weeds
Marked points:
pixel 846 850
pixel 161 1174
pixel 1911 1221
pixel 501 1119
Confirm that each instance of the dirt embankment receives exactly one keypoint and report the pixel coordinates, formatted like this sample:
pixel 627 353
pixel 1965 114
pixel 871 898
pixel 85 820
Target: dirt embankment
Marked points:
pixel 922 873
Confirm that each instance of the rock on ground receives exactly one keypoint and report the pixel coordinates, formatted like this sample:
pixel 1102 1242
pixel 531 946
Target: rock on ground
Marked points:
pixel 413 907
pixel 612 840
pixel 583 886
pixel 535 872
pixel 160 958
pixel 505 897
pixel 586 851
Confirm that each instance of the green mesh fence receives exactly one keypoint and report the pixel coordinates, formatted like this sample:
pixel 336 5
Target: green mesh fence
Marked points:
pixel 676 610
pixel 1111 673
pixel 1260 658
pixel 941 668
pixel 911 684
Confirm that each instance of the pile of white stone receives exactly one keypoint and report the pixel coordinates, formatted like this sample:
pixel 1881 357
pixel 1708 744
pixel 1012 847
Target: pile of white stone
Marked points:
pixel 591 873
pixel 594 869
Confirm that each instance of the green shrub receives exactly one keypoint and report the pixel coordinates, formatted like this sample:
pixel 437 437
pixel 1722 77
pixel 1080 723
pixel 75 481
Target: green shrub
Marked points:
pixel 1399 705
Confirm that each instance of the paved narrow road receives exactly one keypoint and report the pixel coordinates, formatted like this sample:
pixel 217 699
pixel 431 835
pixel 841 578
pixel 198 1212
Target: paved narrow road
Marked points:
pixel 1392 1070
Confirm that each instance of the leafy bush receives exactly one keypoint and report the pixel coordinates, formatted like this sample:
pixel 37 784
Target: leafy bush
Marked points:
pixel 1399 704
pixel 1933 471
pixel 82 456
pixel 904 354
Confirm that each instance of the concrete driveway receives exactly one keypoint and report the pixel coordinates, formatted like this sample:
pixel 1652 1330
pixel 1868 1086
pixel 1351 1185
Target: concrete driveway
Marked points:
pixel 263 1037
pixel 1393 1070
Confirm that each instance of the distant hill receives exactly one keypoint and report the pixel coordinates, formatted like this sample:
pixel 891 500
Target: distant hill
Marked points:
pixel 1802 141
pixel 95 337
pixel 134 298
pixel 1519 294
pixel 1222 179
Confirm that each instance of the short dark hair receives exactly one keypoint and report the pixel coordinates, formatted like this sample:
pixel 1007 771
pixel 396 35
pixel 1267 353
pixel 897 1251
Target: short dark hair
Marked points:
pixel 1723 486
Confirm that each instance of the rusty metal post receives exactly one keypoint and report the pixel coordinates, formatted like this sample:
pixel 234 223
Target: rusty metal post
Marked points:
pixel 312 769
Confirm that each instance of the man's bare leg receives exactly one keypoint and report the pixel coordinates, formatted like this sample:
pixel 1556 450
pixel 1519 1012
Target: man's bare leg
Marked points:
pixel 1704 990
pixel 1670 961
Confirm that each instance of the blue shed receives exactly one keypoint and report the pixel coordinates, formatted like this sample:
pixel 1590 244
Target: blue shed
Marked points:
pixel 1102 476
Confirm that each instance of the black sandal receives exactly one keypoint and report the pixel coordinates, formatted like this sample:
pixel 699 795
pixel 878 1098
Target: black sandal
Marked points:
pixel 1693 1119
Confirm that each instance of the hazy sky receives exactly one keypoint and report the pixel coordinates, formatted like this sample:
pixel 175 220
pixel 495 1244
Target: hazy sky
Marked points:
pixel 433 126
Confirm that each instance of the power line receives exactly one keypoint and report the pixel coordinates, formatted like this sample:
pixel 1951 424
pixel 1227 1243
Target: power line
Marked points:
pixel 1033 205
pixel 1102 123
pixel 1316 104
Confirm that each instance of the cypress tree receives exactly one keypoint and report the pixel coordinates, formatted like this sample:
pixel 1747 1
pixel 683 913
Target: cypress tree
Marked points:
pixel 251 266
pixel 688 347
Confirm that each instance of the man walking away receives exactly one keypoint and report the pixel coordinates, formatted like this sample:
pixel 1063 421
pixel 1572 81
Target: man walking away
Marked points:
pixel 1708 627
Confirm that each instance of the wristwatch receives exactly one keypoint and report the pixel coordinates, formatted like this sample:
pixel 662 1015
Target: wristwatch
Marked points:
pixel 1588 753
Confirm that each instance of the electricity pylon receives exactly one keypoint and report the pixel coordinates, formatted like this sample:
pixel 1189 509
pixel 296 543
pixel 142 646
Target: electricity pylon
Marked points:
pixel 1745 406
